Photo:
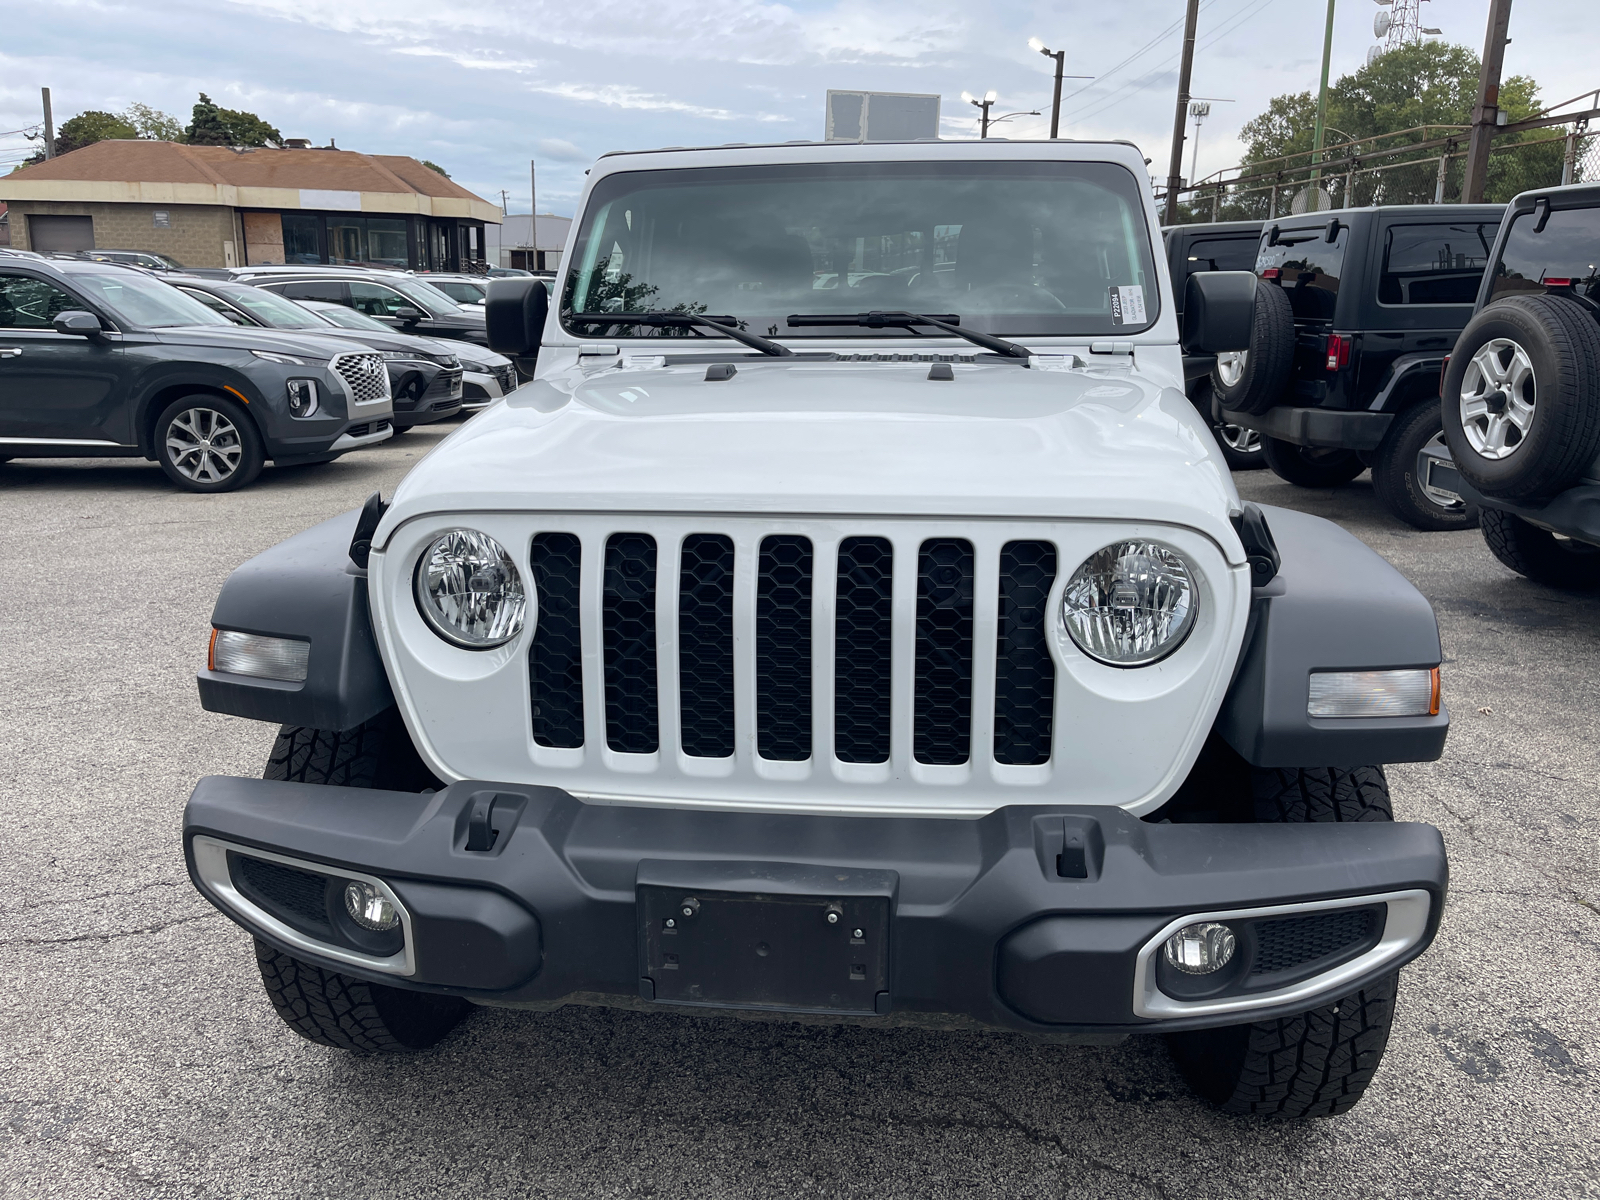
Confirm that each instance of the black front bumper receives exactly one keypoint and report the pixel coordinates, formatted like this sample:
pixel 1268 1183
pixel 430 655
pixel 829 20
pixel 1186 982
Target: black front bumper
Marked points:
pixel 1032 918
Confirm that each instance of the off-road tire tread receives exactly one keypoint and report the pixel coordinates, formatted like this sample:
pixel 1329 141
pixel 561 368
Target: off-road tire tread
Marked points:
pixel 1294 795
pixel 1394 475
pixel 375 754
pixel 1534 553
pixel 1272 343
pixel 324 1006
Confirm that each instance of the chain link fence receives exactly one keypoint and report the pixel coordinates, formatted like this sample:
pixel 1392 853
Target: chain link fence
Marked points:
pixel 1409 175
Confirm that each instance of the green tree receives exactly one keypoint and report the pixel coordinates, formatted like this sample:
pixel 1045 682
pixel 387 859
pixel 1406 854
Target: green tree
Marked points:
pixel 90 127
pixel 433 166
pixel 153 124
pixel 211 125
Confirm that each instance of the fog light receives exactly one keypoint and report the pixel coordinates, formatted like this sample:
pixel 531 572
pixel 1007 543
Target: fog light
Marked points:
pixel 1412 693
pixel 1200 949
pixel 302 397
pixel 368 907
pixel 237 653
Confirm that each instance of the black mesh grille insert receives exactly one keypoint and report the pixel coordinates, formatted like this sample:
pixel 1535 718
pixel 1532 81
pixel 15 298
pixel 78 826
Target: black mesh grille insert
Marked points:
pixel 1025 676
pixel 630 644
pixel 783 648
pixel 1291 941
pixel 705 645
pixel 944 651
pixel 863 624
pixel 297 897
pixel 555 659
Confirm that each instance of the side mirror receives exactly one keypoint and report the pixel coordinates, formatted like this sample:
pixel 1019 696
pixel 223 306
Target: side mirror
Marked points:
pixel 515 313
pixel 408 314
pixel 75 320
pixel 1219 311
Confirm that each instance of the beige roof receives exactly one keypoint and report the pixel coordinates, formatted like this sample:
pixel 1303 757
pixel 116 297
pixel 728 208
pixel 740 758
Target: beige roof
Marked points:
pixel 169 173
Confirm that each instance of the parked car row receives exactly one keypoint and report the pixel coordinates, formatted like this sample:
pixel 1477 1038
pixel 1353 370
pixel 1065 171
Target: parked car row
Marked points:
pixel 212 378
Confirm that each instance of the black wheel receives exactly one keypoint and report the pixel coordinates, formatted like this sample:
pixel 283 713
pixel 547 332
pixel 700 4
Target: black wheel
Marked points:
pixel 1399 473
pixel 1540 555
pixel 326 1006
pixel 1316 1063
pixel 1252 381
pixel 1311 466
pixel 351 1014
pixel 208 444
pixel 1522 397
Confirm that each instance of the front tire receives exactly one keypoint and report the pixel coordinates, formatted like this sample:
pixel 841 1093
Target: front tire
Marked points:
pixel 1538 554
pixel 1310 466
pixel 208 443
pixel 1398 479
pixel 1316 1063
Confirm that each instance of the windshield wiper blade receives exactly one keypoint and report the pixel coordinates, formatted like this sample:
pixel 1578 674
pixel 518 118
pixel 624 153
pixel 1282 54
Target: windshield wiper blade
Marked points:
pixel 728 326
pixel 905 320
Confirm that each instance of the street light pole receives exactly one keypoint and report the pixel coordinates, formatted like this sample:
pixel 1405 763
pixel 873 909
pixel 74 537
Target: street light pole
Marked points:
pixel 1060 57
pixel 982 106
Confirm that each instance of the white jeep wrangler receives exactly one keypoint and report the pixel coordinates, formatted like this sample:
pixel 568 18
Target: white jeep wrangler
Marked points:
pixel 852 618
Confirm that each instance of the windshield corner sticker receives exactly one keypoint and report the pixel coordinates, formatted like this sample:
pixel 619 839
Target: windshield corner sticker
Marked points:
pixel 1127 305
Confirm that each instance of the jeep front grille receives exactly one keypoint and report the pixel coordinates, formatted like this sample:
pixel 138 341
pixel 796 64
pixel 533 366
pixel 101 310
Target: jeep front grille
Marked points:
pixel 782 617
pixel 364 375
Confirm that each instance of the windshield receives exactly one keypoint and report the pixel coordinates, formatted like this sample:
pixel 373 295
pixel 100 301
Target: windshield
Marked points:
pixel 1010 247
pixel 273 310
pixel 347 318
pixel 142 300
pixel 430 297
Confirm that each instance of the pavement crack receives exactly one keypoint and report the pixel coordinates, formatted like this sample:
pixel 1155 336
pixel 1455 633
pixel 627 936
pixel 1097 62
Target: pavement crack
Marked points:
pixel 108 937
pixel 145 887
pixel 1561 885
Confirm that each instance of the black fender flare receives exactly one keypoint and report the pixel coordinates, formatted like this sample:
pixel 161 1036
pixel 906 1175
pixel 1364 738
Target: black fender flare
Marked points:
pixel 306 588
pixel 1334 604
pixel 1396 390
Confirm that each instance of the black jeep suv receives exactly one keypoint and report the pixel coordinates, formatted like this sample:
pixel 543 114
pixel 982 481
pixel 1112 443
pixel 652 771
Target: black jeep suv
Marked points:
pixel 99 360
pixel 1521 396
pixel 1356 312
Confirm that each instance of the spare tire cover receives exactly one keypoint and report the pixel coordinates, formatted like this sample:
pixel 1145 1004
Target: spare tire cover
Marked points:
pixel 1255 380
pixel 1521 397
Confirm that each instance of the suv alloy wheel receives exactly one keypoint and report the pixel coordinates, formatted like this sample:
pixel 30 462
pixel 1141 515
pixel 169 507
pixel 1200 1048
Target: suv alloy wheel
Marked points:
pixel 208 444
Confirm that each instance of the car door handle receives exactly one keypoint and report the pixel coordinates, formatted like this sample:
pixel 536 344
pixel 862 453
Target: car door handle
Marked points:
pixel 10 351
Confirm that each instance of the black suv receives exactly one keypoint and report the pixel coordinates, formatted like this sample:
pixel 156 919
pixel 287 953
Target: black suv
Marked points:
pixel 1219 246
pixel 403 302
pixel 1355 314
pixel 99 360
pixel 1521 395
pixel 424 375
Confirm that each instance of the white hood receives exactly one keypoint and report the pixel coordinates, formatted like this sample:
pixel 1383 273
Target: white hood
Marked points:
pixel 820 437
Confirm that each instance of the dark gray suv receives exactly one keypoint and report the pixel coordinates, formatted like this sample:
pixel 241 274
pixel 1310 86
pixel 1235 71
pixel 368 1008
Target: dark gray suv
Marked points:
pixel 99 360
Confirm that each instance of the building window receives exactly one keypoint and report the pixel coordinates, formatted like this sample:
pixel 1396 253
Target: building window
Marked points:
pixel 300 240
pixel 368 241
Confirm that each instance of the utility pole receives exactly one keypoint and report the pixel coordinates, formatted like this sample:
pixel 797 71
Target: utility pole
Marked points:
pixel 49 126
pixel 533 214
pixel 1487 113
pixel 1313 197
pixel 1175 168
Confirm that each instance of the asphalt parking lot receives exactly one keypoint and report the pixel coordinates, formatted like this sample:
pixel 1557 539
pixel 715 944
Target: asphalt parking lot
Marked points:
pixel 139 1056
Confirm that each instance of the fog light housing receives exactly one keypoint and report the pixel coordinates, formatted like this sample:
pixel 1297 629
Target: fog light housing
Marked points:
pixel 1409 693
pixel 369 907
pixel 1201 949
pixel 302 397
pixel 254 654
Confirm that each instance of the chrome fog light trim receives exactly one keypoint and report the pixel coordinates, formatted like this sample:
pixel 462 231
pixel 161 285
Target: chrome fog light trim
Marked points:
pixel 1405 924
pixel 1409 693
pixel 259 656
pixel 211 866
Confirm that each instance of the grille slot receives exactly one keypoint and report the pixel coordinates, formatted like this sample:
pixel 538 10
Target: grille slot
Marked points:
pixel 298 898
pixel 1290 942
pixel 783 648
pixel 629 603
pixel 555 659
pixel 364 374
pixel 705 645
pixel 1025 675
pixel 863 628
pixel 446 383
pixel 943 696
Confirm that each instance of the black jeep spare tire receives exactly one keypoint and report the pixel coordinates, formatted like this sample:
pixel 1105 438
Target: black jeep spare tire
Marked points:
pixel 1253 380
pixel 1522 397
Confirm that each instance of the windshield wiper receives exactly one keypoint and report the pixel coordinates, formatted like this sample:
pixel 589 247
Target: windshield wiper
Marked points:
pixel 905 320
pixel 729 326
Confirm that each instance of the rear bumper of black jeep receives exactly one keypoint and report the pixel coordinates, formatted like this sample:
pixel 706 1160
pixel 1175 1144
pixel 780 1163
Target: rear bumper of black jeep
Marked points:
pixel 1050 920
pixel 1574 513
pixel 1327 428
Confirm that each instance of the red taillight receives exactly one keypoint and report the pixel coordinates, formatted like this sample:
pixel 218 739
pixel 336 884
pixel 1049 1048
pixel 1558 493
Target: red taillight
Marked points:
pixel 1557 282
pixel 1338 350
pixel 1271 273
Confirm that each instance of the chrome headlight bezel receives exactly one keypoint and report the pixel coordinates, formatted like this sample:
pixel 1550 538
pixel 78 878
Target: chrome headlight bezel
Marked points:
pixel 1161 602
pixel 451 567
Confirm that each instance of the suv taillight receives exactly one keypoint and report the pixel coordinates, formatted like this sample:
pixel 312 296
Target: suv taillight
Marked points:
pixel 1271 273
pixel 1338 350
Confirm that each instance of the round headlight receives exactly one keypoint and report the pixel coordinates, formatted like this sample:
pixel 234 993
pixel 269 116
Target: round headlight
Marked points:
pixel 469 590
pixel 1130 604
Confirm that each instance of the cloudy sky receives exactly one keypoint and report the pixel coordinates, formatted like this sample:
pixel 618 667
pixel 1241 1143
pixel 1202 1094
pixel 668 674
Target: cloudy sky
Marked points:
pixel 482 86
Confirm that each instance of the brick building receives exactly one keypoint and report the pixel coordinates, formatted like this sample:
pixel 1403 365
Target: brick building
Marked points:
pixel 216 206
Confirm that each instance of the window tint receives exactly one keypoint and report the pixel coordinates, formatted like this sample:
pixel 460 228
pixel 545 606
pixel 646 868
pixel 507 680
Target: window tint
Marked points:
pixel 378 301
pixel 461 293
pixel 272 309
pixel 1308 267
pixel 1567 248
pixel 1222 254
pixel 1434 264
pixel 28 303
pixel 311 289
pixel 142 300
